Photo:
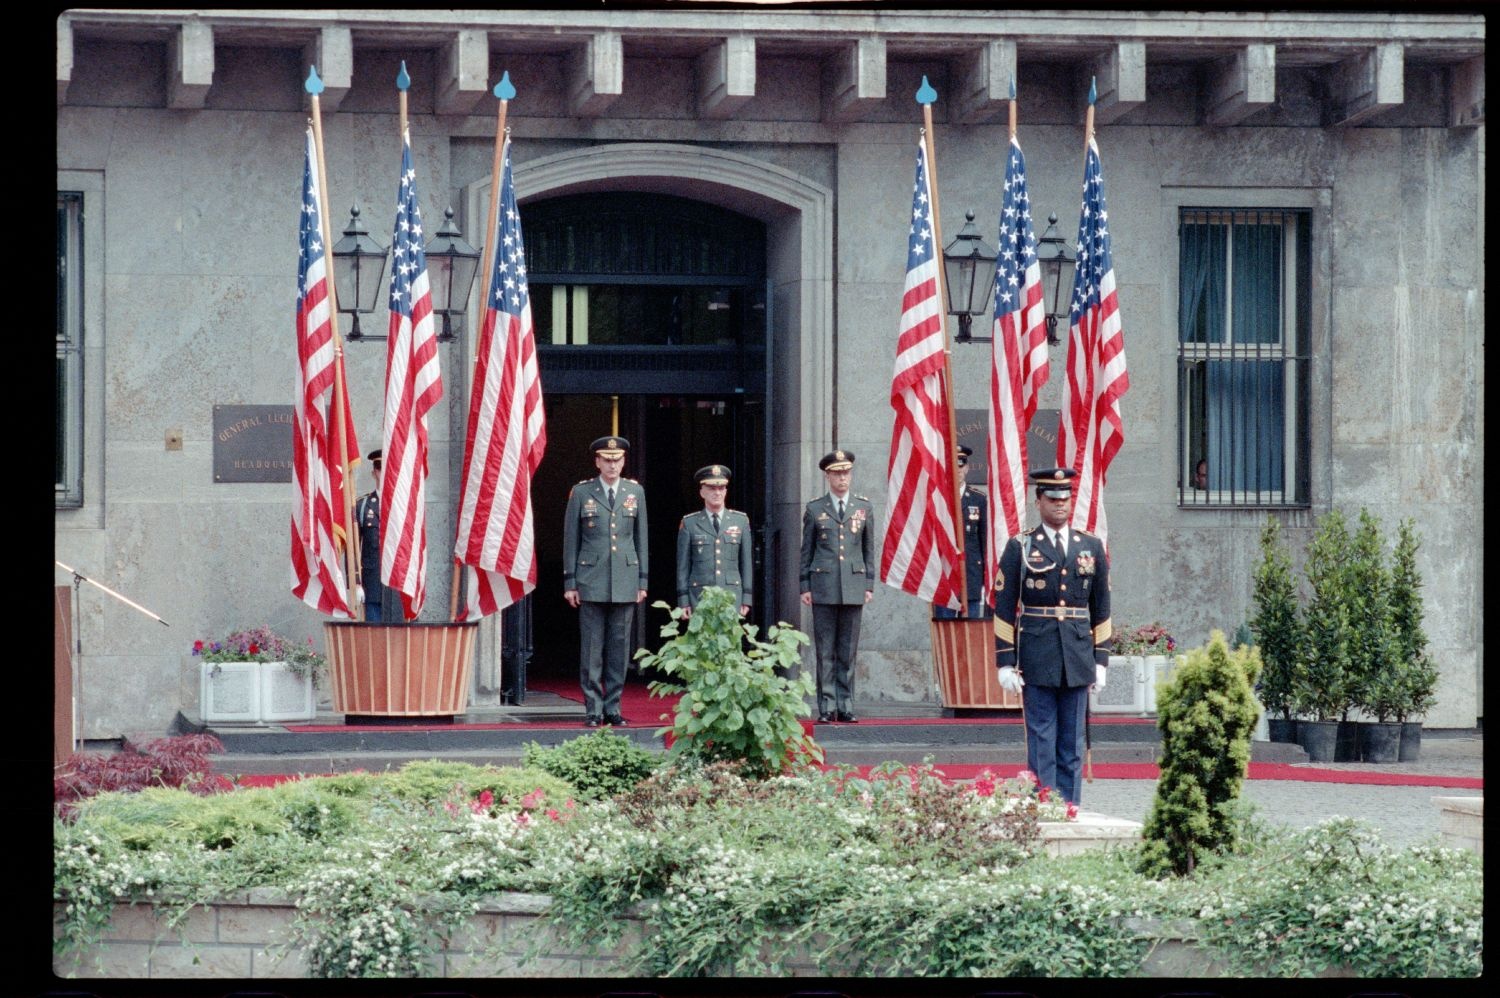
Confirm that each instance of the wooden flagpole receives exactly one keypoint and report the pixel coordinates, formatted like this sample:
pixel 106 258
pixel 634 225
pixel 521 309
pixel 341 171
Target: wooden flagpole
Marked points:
pixel 1088 727
pixel 314 87
pixel 925 96
pixel 504 91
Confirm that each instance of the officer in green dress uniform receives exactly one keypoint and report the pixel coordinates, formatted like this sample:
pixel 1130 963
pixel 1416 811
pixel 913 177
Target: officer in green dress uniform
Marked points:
pixel 713 545
pixel 837 579
pixel 1053 631
pixel 604 575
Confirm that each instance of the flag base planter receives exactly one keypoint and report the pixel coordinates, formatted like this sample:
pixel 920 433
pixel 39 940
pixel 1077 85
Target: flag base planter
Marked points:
pixel 1411 742
pixel 1318 738
pixel 963 650
pixel 253 693
pixel 400 670
pixel 1379 742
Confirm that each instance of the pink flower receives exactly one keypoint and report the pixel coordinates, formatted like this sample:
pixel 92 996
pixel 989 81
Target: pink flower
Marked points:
pixel 523 818
pixel 1072 810
pixel 486 800
pixel 552 813
pixel 197 647
pixel 1028 776
pixel 531 800
pixel 1043 794
pixel 984 786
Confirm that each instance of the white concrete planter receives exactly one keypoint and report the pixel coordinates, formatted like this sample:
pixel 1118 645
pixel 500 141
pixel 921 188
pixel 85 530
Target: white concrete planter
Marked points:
pixel 253 693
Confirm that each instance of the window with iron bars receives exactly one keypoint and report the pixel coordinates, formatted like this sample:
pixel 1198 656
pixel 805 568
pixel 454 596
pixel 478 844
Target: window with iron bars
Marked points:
pixel 69 387
pixel 1242 368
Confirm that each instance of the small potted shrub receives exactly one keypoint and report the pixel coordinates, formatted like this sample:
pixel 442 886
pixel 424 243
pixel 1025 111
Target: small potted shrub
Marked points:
pixel 1277 632
pixel 1418 672
pixel 734 706
pixel 257 676
pixel 1321 689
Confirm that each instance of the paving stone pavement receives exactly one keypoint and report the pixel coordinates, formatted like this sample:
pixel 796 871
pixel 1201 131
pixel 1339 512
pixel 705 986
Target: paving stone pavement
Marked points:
pixel 1404 815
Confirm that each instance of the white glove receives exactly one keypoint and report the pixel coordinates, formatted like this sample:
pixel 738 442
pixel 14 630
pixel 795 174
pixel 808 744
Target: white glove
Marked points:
pixel 1010 679
pixel 359 592
pixel 1099 673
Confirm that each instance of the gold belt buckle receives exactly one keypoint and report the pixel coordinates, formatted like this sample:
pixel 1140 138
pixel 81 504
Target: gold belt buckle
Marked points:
pixel 1059 613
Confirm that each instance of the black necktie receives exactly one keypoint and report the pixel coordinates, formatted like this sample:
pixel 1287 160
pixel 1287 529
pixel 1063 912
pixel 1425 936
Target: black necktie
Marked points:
pixel 610 494
pixel 841 509
pixel 716 522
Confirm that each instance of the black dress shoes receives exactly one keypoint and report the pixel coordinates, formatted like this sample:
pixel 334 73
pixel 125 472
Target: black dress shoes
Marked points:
pixel 825 718
pixel 616 720
pixel 847 717
pixel 590 722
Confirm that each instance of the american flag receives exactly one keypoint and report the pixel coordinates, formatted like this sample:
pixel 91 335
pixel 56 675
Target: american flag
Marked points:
pixel 1091 432
pixel 317 578
pixel 1019 361
pixel 507 430
pixel 413 385
pixel 920 554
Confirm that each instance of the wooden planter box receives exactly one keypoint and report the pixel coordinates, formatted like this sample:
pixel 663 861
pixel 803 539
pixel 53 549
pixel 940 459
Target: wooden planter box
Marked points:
pixel 400 670
pixel 963 652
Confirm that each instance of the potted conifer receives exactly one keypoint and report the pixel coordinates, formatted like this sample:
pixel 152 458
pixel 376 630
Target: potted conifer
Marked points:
pixel 1418 673
pixel 1321 689
pixel 1375 686
pixel 1277 631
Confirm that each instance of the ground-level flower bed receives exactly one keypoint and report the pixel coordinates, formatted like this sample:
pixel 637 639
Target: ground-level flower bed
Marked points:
pixel 700 871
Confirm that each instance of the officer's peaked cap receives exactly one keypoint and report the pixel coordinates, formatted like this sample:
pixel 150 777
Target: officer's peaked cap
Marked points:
pixel 1054 483
pixel 837 460
pixel 610 446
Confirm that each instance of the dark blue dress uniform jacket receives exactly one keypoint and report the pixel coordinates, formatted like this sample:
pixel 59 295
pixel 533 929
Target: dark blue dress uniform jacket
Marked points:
pixel 1052 612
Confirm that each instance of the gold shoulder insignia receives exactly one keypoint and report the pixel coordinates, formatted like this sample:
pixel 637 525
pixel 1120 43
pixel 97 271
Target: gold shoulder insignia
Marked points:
pixel 584 482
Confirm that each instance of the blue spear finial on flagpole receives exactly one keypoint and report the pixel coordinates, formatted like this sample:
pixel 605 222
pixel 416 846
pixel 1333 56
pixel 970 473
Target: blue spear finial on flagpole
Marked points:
pixel 1093 91
pixel 313 84
pixel 505 89
pixel 925 93
pixel 403 81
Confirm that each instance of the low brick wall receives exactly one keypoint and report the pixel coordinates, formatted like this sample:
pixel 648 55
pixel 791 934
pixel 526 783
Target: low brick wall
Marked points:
pixel 1461 822
pixel 244 935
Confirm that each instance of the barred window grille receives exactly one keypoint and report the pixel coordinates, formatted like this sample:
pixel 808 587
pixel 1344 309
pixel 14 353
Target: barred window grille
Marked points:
pixel 69 385
pixel 1243 358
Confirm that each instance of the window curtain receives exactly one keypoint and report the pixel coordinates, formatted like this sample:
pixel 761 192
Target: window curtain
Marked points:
pixel 1245 417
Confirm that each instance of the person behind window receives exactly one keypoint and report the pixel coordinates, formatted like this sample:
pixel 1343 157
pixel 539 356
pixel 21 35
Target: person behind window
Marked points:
pixel 1200 474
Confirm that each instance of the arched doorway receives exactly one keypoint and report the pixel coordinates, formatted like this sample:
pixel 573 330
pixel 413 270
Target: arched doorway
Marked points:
pixel 650 317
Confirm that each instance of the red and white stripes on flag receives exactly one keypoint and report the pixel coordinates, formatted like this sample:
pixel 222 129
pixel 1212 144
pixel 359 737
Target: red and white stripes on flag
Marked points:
pixel 1019 367
pixel 920 554
pixel 317 578
pixel 1091 431
pixel 413 385
pixel 507 430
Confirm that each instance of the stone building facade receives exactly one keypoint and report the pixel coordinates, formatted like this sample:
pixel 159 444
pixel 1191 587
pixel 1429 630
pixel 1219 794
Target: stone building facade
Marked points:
pixel 1356 140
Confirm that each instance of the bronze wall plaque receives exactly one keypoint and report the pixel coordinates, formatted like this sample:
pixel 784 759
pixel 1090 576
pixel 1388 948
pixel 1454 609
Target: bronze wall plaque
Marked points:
pixel 252 443
pixel 1041 440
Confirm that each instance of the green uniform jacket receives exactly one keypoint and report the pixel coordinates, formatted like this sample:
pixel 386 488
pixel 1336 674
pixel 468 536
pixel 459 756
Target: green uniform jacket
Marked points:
pixel 838 556
pixel 708 559
pixel 604 550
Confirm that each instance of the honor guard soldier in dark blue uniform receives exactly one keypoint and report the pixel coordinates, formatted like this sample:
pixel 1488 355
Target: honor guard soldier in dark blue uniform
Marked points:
pixel 604 576
pixel 713 545
pixel 837 579
pixel 1052 630
pixel 975 512
pixel 367 522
